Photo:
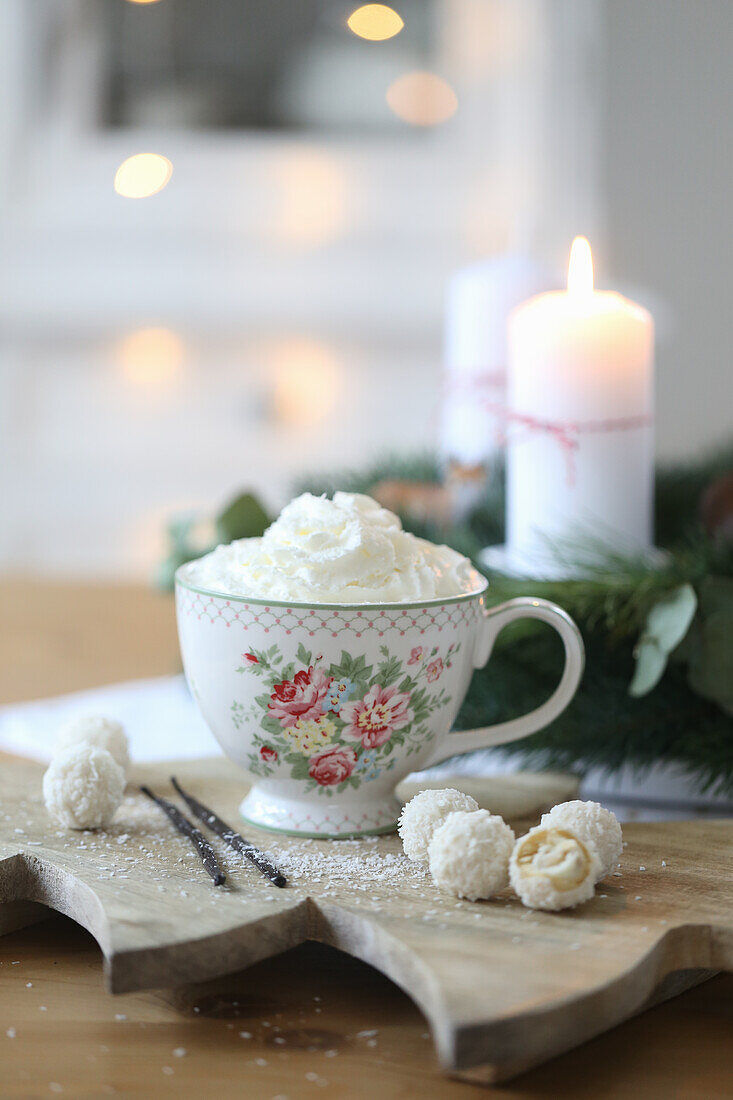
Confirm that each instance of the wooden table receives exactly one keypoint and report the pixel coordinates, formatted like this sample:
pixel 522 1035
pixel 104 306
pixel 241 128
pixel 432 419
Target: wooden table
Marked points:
pixel 312 1023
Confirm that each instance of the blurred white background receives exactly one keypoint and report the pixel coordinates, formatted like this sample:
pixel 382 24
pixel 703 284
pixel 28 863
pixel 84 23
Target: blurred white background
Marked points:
pixel 278 306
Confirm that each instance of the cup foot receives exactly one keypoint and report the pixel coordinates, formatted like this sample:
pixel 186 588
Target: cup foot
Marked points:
pixel 329 821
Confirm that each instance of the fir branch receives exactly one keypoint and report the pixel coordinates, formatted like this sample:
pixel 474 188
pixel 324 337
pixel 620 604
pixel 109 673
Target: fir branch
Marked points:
pixel 603 727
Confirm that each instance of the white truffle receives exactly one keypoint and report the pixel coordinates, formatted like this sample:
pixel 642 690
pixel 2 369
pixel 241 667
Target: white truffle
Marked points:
pixel 105 733
pixel 469 854
pixel 424 813
pixel 552 868
pixel 83 787
pixel 593 824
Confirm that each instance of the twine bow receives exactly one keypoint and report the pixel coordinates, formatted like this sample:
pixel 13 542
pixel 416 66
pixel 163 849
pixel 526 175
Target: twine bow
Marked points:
pixel 494 379
pixel 566 433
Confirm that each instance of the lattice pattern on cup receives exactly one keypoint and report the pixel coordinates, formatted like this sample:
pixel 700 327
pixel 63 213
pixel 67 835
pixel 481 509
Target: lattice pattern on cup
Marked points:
pixel 357 622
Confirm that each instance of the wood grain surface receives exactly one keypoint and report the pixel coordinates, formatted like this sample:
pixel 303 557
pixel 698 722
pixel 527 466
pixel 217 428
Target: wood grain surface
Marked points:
pixel 66 636
pixel 56 636
pixel 503 987
pixel 347 1034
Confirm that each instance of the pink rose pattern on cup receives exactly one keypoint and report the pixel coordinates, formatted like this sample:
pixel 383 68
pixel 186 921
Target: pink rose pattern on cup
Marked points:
pixel 336 725
pixel 332 766
pixel 299 698
pixel 373 719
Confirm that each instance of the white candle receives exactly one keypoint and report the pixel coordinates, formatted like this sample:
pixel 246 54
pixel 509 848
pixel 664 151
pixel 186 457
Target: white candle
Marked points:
pixel 478 303
pixel 579 415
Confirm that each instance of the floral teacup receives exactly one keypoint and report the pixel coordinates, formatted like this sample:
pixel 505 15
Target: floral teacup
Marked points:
pixel 328 706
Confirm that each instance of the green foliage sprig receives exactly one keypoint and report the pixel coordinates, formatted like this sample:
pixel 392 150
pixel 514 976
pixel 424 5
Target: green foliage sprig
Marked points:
pixel 684 716
pixel 658 685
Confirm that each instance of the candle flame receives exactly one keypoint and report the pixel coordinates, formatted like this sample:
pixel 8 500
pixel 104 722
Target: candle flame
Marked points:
pixel 580 268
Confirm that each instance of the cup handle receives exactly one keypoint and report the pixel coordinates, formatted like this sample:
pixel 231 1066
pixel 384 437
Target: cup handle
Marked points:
pixel 495 619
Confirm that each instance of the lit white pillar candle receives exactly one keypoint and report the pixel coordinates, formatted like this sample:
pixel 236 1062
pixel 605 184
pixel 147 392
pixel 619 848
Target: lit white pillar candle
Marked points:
pixel 579 421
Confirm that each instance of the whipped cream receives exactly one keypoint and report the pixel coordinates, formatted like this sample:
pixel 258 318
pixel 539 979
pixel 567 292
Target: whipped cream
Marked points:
pixel 346 550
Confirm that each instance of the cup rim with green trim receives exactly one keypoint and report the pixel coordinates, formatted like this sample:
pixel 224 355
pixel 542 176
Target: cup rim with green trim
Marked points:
pixel 262 601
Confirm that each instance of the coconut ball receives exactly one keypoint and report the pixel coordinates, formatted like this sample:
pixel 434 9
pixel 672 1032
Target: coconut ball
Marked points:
pixel 83 786
pixel 469 854
pixel 593 824
pixel 552 868
pixel 424 813
pixel 105 733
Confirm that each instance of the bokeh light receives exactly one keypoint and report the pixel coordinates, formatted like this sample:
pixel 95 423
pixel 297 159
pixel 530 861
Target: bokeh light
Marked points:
pixel 150 357
pixel 142 175
pixel 422 98
pixel 375 22
pixel 311 194
pixel 307 381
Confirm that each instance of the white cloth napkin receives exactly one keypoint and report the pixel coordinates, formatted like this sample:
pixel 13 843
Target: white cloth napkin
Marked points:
pixel 159 716
pixel 163 723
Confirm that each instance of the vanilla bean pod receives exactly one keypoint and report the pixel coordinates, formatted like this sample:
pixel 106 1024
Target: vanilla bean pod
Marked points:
pixel 233 839
pixel 197 838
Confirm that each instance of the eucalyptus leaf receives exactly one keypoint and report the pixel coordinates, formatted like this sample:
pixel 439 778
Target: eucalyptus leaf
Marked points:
pixel 666 626
pixel 179 528
pixel 669 620
pixel 243 518
pixel 651 662
pixel 165 571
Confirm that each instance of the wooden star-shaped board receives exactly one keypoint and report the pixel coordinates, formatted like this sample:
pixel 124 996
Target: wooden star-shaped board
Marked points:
pixel 503 987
